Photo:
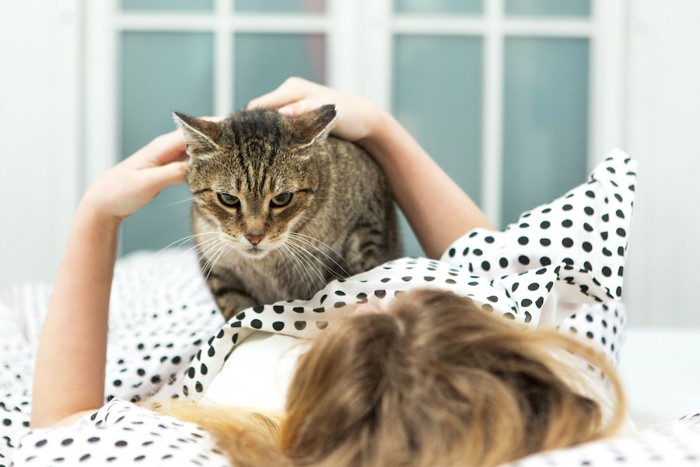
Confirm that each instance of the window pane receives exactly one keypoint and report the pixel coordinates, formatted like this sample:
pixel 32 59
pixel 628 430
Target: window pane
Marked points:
pixel 263 61
pixel 184 5
pixel 545 121
pixel 439 6
pixel 437 96
pixel 280 6
pixel 161 72
pixel 549 7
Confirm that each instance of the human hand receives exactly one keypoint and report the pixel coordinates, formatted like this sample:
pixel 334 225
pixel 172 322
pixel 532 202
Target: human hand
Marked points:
pixel 358 118
pixel 131 184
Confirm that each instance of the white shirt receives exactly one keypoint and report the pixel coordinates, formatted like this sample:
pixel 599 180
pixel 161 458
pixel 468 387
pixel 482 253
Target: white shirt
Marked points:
pixel 258 373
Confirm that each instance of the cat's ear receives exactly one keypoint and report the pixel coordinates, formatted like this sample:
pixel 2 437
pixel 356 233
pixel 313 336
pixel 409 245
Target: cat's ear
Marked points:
pixel 200 135
pixel 313 127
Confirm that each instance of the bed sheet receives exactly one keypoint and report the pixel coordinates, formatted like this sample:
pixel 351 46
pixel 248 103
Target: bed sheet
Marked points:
pixel 673 443
pixel 165 319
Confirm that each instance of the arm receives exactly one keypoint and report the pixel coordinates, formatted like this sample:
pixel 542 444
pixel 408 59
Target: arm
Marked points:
pixel 69 369
pixel 436 207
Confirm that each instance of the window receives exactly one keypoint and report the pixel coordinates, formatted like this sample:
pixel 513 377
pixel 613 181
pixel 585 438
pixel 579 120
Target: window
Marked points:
pixel 516 99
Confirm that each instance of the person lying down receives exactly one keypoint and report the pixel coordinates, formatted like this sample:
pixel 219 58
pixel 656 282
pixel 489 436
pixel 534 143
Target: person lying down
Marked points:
pixel 498 346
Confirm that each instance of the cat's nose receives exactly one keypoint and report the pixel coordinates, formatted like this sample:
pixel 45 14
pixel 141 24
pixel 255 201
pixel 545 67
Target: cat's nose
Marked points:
pixel 254 238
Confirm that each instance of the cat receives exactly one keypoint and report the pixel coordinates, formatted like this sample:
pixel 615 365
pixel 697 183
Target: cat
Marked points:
pixel 280 208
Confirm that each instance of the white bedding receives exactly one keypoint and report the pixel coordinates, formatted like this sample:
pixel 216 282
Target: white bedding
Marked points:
pixel 660 369
pixel 163 296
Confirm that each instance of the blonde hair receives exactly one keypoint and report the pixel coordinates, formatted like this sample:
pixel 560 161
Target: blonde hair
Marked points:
pixel 434 381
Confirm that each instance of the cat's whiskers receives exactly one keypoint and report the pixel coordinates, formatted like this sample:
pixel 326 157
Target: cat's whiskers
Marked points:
pixel 195 246
pixel 213 253
pixel 189 237
pixel 205 253
pixel 311 258
pixel 175 203
pixel 222 251
pixel 286 253
pixel 301 252
pixel 308 240
pixel 203 244
pixel 184 239
pixel 311 267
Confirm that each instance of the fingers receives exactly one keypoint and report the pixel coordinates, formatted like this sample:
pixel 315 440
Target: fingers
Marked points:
pixel 290 91
pixel 299 108
pixel 166 175
pixel 169 147
pixel 214 118
pixel 274 99
pixel 162 150
pixel 147 183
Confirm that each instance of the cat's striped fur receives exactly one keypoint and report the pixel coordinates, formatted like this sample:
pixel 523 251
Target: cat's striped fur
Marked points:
pixel 280 208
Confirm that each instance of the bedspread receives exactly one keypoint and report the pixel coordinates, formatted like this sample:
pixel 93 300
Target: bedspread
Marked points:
pixel 561 265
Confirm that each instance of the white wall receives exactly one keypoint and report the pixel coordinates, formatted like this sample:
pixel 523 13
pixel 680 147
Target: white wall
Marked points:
pixel 39 118
pixel 664 135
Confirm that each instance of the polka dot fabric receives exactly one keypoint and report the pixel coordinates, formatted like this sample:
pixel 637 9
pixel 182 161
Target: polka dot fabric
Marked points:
pixel 121 434
pixel 160 313
pixel 674 444
pixel 560 265
pixel 581 237
pixel 586 229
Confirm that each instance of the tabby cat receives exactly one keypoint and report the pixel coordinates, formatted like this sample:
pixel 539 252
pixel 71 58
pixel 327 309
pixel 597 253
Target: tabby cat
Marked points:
pixel 280 208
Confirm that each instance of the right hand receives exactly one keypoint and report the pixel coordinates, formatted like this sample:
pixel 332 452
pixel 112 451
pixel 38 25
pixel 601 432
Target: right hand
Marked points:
pixel 136 180
pixel 358 119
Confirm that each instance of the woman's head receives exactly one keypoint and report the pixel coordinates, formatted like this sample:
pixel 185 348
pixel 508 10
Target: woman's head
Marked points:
pixel 436 381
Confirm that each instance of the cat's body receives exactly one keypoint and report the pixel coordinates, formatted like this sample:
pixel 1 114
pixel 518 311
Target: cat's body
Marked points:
pixel 280 209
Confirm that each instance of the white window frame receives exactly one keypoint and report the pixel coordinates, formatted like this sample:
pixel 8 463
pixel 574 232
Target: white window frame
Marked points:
pixel 359 37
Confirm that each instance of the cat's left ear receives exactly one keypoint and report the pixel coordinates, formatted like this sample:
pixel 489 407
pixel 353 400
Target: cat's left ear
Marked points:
pixel 313 127
pixel 200 135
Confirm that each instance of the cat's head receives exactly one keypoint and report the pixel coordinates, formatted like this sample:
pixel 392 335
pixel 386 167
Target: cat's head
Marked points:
pixel 253 175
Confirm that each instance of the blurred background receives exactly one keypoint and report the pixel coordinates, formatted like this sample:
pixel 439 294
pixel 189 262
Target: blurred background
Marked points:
pixel 517 99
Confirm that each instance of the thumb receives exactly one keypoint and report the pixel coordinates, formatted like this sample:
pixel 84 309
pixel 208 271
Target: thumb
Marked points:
pixel 166 175
pixel 298 108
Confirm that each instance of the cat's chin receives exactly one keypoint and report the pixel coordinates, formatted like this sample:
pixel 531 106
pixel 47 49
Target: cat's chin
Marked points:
pixel 254 253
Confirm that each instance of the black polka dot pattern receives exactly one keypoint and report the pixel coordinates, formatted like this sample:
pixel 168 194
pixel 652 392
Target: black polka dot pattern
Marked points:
pixel 121 434
pixel 160 314
pixel 580 238
pixel 560 265
pixel 675 444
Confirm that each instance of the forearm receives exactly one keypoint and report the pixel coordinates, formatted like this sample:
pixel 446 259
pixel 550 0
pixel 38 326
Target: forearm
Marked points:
pixel 69 373
pixel 437 209
pixel 70 365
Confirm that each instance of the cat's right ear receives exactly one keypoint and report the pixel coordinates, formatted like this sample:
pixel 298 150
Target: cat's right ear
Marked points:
pixel 314 126
pixel 200 135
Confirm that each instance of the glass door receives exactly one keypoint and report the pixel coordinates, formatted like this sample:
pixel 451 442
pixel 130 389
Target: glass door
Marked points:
pixel 514 98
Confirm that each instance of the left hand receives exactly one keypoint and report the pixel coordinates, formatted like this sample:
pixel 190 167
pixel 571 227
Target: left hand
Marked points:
pixel 135 181
pixel 359 119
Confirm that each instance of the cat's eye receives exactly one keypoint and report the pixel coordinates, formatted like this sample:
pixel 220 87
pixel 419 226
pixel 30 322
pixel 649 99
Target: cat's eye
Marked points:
pixel 229 200
pixel 280 200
